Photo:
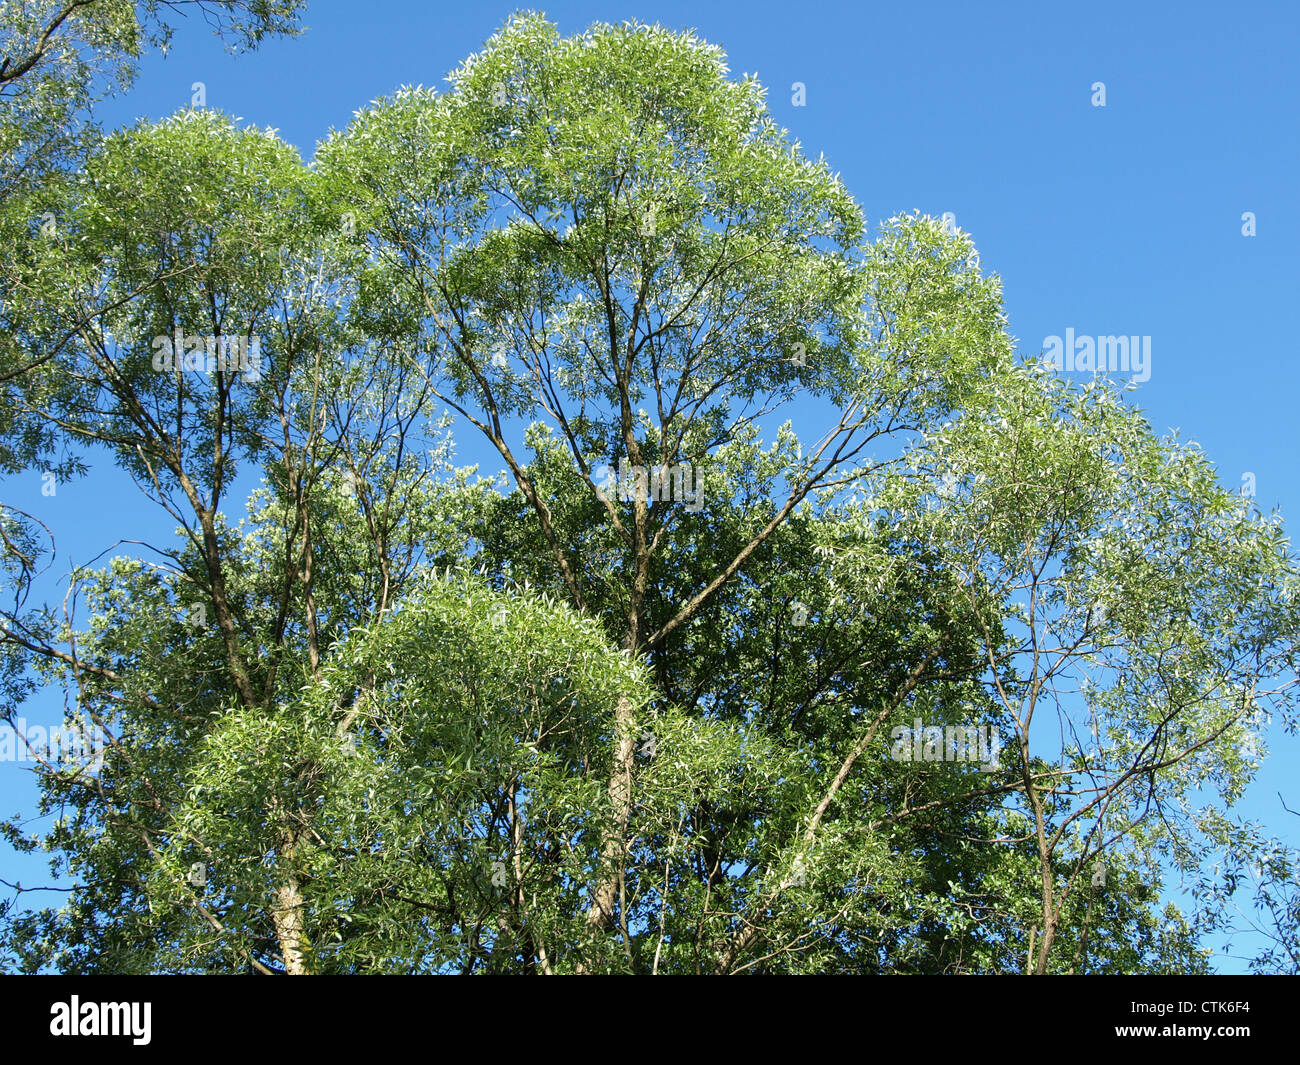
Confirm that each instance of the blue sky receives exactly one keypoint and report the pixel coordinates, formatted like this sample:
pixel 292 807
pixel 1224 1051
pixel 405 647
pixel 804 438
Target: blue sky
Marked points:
pixel 1122 219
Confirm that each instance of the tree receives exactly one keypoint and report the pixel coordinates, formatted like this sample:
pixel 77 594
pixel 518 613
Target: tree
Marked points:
pixel 666 699
pixel 57 59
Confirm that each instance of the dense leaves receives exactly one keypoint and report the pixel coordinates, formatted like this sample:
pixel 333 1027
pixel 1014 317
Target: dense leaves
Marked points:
pixel 405 719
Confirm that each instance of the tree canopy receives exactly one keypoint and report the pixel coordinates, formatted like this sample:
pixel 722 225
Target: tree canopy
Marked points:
pixel 811 629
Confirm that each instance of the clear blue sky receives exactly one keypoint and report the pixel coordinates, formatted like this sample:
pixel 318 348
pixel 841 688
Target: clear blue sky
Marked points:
pixel 1123 219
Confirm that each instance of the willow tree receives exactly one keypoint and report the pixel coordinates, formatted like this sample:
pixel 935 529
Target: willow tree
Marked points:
pixel 661 727
pixel 58 58
pixel 587 225
pixel 606 237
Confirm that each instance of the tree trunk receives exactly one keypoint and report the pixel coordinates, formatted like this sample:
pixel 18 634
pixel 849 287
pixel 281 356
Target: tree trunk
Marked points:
pixel 605 890
pixel 288 916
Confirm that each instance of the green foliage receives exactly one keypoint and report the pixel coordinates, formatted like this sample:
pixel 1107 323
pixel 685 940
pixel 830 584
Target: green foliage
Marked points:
pixel 410 720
